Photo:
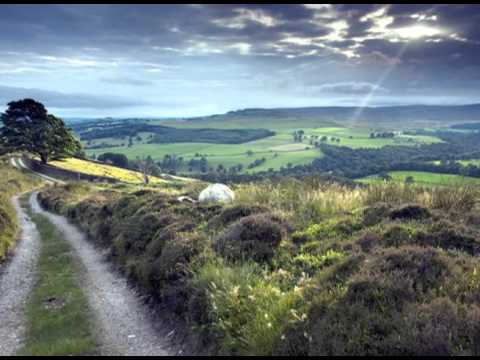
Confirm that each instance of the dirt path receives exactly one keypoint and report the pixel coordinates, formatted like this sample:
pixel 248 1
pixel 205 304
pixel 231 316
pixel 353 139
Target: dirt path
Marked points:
pixel 124 323
pixel 19 164
pixel 16 282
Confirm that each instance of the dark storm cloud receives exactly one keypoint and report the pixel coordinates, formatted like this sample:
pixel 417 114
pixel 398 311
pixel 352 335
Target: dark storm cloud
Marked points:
pixel 120 28
pixel 253 50
pixel 61 100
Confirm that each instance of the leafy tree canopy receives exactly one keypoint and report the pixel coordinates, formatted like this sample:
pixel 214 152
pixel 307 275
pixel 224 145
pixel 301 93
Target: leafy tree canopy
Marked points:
pixel 119 160
pixel 29 127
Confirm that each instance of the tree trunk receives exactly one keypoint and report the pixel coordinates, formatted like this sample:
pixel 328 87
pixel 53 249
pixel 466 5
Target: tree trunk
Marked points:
pixel 44 158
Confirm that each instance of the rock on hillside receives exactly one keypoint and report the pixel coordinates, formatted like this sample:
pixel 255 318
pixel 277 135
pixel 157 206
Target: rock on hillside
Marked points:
pixel 217 192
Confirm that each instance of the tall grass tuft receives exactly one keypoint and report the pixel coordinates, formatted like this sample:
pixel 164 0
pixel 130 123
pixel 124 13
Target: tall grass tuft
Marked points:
pixel 248 308
pixel 456 198
pixel 12 181
pixel 305 203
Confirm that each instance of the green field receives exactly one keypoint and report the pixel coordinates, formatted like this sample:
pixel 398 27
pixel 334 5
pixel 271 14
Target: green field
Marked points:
pixel 425 178
pixel 279 150
pixel 360 138
pixel 475 162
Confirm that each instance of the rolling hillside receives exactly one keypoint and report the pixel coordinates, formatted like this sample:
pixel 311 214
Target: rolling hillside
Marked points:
pixel 409 116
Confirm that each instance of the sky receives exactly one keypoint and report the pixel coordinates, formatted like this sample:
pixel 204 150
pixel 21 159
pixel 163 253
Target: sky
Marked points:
pixel 192 60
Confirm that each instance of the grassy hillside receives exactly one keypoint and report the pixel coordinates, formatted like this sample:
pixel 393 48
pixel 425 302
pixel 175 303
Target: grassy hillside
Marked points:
pixel 400 116
pixel 166 134
pixel 278 150
pixel 97 169
pixel 426 178
pixel 300 267
pixel 12 181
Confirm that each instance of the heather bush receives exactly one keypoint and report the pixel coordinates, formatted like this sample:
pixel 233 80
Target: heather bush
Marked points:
pixel 252 237
pixel 410 212
pixel 300 267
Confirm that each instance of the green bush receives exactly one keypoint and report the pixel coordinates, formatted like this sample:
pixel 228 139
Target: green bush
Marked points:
pixel 233 213
pixel 253 237
pixel 398 234
pixel 410 212
pixel 448 235
pixel 376 213
pixel 328 229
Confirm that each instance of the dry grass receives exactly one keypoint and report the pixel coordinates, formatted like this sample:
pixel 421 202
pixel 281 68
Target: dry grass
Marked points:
pixel 309 203
pixel 303 203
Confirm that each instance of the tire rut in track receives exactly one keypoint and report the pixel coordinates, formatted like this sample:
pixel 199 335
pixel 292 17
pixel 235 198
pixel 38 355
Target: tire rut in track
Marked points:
pixel 124 323
pixel 16 281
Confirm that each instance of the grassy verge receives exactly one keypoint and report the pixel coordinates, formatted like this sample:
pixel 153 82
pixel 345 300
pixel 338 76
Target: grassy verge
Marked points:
pixel 12 181
pixel 58 314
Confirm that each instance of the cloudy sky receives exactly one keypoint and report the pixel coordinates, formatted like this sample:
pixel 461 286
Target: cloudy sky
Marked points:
pixel 188 60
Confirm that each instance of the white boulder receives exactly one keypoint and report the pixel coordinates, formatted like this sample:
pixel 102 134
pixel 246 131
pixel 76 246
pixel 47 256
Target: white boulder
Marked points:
pixel 216 192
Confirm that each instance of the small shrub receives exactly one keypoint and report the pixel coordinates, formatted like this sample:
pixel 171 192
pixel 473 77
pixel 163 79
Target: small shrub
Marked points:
pixel 311 263
pixel 410 212
pixel 255 237
pixel 375 214
pixel 176 257
pixel 167 275
pixel 426 267
pixel 233 213
pixel 437 328
pixel 473 219
pixel 447 235
pixel 398 235
pixel 328 229
pixel 368 241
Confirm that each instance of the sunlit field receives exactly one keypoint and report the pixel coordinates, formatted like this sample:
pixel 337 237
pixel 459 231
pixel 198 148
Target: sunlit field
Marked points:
pixel 425 178
pixel 91 168
pixel 279 150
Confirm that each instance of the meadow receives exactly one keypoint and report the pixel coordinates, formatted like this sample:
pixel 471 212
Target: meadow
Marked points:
pixel 280 150
pixel 424 178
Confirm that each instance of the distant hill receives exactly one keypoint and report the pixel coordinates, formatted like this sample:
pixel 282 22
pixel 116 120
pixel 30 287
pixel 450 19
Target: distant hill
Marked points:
pixel 411 114
pixel 164 134
pixel 278 118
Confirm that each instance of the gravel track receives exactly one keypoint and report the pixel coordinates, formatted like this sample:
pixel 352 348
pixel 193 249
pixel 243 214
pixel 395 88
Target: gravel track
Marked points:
pixel 17 277
pixel 124 323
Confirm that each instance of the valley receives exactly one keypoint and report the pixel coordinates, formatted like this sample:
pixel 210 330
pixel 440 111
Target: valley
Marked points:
pixel 279 150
